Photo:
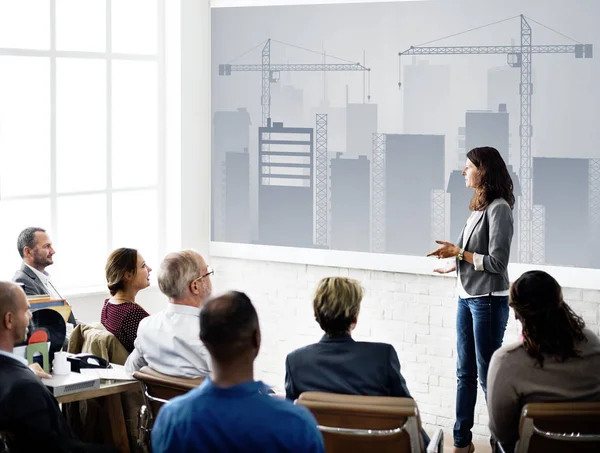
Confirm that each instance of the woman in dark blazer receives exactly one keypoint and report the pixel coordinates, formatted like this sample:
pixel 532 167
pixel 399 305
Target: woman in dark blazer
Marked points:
pixel 481 261
pixel 337 363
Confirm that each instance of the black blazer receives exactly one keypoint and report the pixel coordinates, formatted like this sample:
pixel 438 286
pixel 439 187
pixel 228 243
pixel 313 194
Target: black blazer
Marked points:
pixel 342 365
pixel 30 413
pixel 32 286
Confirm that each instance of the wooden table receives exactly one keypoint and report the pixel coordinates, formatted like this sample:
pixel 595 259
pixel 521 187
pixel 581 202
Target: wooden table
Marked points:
pixel 111 393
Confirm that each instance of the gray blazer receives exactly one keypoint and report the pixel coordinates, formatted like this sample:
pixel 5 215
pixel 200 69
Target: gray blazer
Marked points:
pixel 490 235
pixel 30 283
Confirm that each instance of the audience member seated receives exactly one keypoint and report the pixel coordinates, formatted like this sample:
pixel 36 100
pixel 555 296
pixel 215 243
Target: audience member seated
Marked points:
pixel 231 412
pixel 126 274
pixel 169 341
pixel 35 248
pixel 337 363
pixel 28 411
pixel 557 360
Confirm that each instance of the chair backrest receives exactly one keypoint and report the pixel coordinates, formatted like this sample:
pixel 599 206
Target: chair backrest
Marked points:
pixel 560 427
pixel 160 388
pixel 365 423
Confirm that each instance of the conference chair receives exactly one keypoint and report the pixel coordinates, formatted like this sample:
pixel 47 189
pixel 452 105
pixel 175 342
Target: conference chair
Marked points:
pixel 558 427
pixel 158 389
pixel 362 424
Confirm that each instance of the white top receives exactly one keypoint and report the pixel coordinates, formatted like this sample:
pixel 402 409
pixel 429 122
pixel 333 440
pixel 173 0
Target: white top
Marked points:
pixel 14 356
pixel 45 279
pixel 477 263
pixel 169 342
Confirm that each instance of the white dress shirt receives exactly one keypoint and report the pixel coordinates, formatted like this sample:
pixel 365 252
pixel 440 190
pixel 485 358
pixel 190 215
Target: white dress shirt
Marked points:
pixel 169 342
pixel 45 279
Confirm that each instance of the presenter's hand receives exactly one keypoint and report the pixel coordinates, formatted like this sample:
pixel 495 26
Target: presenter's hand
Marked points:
pixel 447 269
pixel 447 250
pixel 39 371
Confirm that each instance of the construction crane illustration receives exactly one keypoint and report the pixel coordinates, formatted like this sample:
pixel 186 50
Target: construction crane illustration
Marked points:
pixel 271 72
pixel 517 57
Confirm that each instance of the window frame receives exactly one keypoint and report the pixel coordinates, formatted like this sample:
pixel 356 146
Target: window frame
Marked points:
pixel 159 57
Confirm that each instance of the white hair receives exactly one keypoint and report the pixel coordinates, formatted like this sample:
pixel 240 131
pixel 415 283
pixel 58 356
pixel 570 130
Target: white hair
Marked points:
pixel 177 271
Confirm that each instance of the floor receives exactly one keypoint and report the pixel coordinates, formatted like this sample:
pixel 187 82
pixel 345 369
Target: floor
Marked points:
pixel 481 446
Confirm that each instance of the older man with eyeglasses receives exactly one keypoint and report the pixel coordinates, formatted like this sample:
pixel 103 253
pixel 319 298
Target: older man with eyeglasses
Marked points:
pixel 169 341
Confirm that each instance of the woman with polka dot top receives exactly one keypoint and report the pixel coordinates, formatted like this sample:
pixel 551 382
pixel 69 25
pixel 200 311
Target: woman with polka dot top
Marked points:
pixel 126 274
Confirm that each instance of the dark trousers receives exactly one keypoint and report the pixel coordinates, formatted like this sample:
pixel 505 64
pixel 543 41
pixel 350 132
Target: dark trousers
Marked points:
pixel 480 326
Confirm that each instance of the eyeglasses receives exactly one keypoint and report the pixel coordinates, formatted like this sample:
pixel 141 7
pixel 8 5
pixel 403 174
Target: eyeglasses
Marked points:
pixel 209 271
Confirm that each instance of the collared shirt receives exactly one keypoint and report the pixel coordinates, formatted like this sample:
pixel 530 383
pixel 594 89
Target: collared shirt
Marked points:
pixel 241 418
pixel 14 356
pixel 45 279
pixel 169 342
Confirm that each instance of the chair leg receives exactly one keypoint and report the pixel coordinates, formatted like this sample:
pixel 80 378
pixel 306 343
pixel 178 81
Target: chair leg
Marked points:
pixel 144 421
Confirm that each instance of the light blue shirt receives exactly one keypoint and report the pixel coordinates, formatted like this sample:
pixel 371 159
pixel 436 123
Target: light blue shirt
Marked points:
pixel 242 418
pixel 14 356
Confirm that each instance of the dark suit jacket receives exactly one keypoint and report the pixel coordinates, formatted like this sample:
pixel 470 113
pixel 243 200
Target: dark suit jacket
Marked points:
pixel 32 285
pixel 342 365
pixel 31 414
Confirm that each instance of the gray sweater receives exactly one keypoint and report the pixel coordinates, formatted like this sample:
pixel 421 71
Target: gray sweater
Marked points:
pixel 515 379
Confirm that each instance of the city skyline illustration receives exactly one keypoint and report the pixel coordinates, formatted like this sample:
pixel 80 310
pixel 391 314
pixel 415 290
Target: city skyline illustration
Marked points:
pixel 324 137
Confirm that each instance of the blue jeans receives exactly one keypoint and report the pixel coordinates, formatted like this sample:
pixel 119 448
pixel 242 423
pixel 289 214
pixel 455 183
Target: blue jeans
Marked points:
pixel 480 326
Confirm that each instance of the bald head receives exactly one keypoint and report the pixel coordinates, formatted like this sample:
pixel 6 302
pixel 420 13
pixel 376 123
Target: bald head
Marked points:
pixel 229 327
pixel 9 297
pixel 14 315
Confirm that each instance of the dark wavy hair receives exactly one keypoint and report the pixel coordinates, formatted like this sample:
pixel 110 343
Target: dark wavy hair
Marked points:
pixel 549 325
pixel 495 181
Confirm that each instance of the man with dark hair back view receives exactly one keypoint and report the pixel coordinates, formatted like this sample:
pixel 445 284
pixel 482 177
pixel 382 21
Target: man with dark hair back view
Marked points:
pixel 28 411
pixel 231 412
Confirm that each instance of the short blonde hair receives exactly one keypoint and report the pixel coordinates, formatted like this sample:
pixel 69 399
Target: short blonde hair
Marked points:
pixel 177 271
pixel 336 304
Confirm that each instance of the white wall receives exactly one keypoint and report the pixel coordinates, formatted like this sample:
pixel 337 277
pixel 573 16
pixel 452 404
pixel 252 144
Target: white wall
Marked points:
pixel 415 313
pixel 87 307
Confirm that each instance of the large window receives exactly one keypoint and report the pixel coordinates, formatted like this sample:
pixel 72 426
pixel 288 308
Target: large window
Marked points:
pixel 82 131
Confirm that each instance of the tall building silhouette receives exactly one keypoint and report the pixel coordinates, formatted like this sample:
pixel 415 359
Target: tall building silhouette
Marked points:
pixel 231 133
pixel 503 88
pixel 414 167
pixel 286 184
pixel 487 128
pixel 561 185
pixel 350 204
pixel 237 197
pixel 361 124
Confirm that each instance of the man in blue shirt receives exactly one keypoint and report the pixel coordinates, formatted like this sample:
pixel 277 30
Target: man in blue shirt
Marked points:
pixel 231 412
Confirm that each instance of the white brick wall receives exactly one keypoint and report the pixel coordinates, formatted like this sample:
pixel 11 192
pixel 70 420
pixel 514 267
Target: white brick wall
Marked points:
pixel 415 313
